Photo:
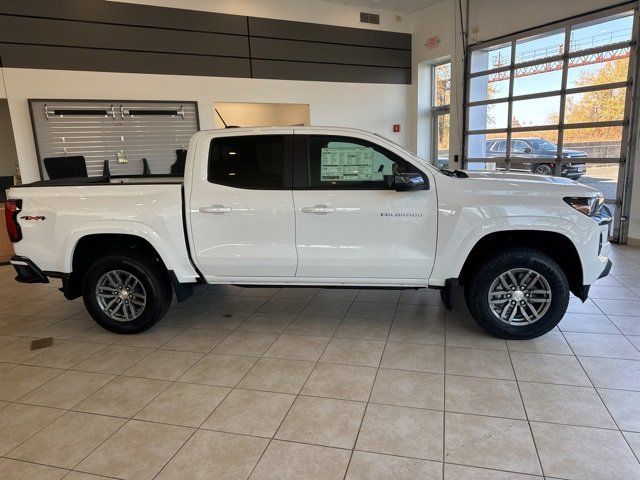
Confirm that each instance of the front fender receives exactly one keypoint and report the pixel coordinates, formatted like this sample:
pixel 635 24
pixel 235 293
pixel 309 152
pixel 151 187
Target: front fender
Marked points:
pixel 454 247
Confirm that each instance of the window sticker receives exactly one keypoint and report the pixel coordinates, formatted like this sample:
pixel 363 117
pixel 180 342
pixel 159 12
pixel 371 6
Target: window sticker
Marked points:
pixel 353 164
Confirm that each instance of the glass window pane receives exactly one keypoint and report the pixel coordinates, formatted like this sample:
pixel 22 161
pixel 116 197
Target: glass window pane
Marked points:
pixel 477 146
pixel 534 165
pixel 492 57
pixel 602 142
pixel 442 93
pixel 602 177
pixel 597 106
pixel 247 162
pixel 606 67
pixel 539 144
pixel 536 111
pixel 485 117
pixel 597 33
pixel 442 139
pixel 538 78
pixel 488 87
pixel 346 162
pixel 540 46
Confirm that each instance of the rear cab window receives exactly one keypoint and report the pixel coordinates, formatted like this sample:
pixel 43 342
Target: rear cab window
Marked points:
pixel 253 161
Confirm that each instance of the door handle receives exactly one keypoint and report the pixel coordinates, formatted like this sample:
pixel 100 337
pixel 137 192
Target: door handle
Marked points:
pixel 215 209
pixel 320 209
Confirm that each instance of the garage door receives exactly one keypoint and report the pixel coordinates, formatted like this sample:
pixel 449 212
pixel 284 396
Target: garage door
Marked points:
pixel 558 101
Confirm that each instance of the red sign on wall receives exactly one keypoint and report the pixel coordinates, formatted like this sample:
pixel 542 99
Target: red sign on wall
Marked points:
pixel 433 42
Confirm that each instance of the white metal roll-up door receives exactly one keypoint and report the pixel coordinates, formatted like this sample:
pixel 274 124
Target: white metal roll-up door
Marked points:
pixel 101 130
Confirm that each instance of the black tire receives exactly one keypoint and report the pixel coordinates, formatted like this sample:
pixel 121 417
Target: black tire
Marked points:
pixel 478 287
pixel 543 169
pixel 150 273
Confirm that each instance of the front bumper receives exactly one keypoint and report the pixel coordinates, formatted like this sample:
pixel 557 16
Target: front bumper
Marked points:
pixel 28 272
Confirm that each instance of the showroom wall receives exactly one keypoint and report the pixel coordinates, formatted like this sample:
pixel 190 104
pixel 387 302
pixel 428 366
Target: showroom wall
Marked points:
pixel 372 106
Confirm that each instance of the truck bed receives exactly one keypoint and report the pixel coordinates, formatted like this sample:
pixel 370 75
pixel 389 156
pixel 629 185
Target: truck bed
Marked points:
pixel 63 211
pixel 79 181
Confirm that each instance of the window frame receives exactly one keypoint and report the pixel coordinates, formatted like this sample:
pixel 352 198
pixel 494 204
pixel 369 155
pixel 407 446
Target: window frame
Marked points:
pixel 438 111
pixel 287 142
pixel 301 172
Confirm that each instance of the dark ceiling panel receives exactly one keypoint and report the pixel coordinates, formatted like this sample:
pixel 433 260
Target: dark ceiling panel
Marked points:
pixel 274 49
pixel 127 14
pixel 97 35
pixel 324 72
pixel 66 58
pixel 314 32
pixel 81 34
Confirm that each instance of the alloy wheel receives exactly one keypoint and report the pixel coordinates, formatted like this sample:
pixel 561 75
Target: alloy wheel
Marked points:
pixel 120 295
pixel 519 296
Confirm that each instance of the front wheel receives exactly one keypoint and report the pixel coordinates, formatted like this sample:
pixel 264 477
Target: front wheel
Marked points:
pixel 519 295
pixel 125 293
pixel 544 169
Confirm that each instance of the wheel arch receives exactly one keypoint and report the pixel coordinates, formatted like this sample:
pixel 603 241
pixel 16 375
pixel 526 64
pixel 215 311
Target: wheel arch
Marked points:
pixel 93 246
pixel 556 245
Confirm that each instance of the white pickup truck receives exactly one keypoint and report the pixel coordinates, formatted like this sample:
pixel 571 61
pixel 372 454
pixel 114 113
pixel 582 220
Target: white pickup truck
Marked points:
pixel 331 207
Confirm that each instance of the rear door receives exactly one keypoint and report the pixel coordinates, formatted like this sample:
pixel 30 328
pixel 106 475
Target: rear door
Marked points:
pixel 241 207
pixel 349 224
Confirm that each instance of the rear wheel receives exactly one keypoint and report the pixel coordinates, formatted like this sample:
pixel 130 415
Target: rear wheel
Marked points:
pixel 126 294
pixel 521 294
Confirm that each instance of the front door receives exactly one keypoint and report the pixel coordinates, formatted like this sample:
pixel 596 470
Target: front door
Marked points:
pixel 242 216
pixel 349 224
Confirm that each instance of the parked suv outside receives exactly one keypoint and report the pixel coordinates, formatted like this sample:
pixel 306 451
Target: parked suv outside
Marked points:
pixel 535 148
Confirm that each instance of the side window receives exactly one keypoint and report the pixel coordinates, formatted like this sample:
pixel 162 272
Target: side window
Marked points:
pixel 253 162
pixel 518 146
pixel 346 162
pixel 500 146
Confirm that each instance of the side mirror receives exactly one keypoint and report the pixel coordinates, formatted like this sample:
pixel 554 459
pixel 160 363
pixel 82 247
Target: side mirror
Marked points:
pixel 406 182
pixel 527 150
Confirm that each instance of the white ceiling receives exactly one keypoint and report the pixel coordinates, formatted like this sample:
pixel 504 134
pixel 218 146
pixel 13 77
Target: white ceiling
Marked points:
pixel 405 6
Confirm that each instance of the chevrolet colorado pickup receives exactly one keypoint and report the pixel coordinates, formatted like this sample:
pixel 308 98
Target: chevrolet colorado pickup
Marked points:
pixel 330 207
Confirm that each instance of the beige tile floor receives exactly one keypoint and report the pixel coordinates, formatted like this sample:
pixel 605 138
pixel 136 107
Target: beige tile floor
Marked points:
pixel 320 384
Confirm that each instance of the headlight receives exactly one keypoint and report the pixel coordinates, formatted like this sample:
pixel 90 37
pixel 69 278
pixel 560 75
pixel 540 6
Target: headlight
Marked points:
pixel 588 205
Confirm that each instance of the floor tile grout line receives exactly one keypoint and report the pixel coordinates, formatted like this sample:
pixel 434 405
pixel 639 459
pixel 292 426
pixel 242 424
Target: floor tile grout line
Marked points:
pixel 317 362
pixel 410 407
pixel 373 384
pixel 338 448
pixel 132 418
pixel 275 433
pixel 127 419
pixel 334 448
pixel 444 392
pixel 211 413
pixel 606 406
pixel 526 413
